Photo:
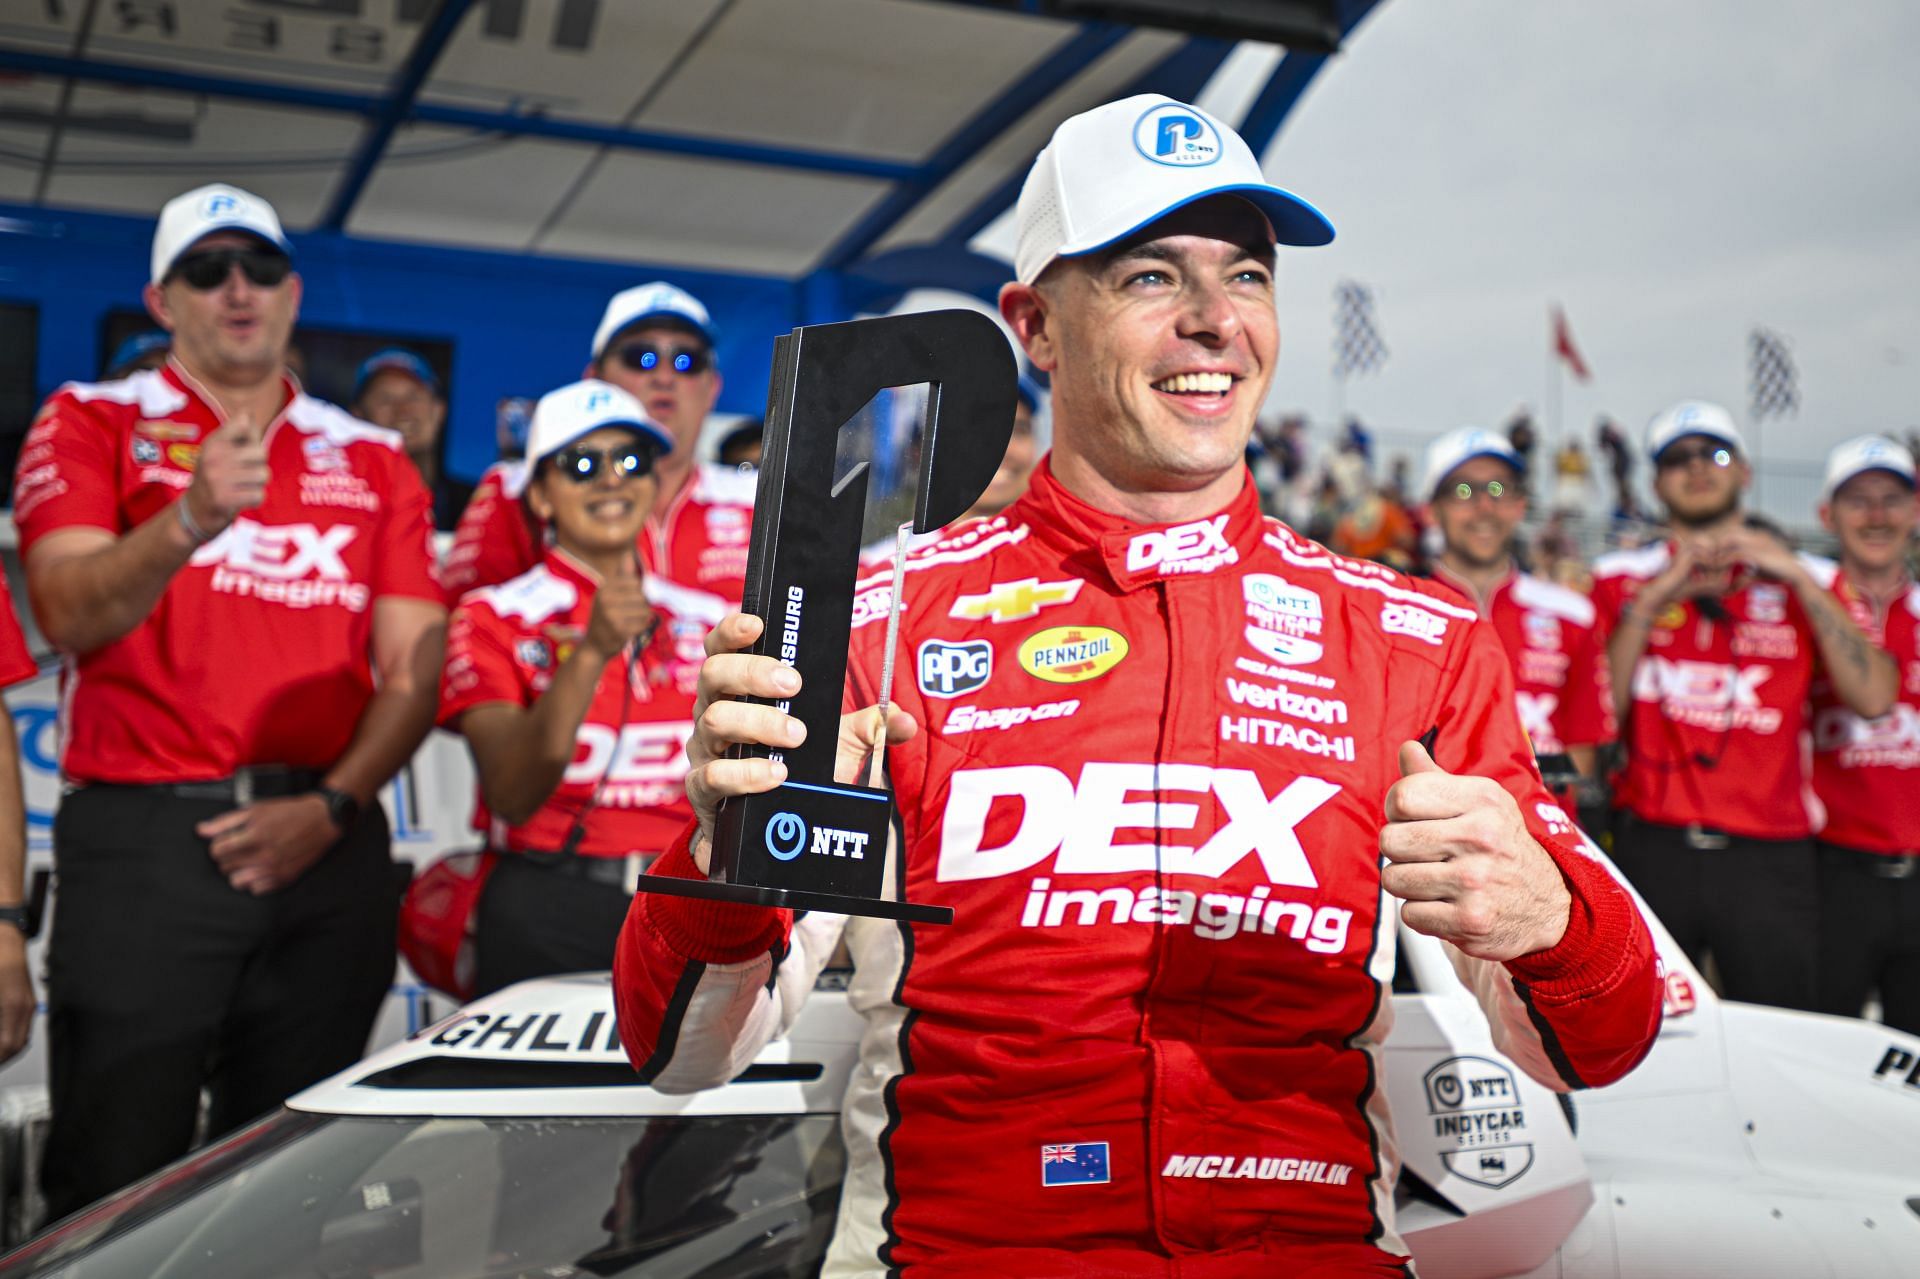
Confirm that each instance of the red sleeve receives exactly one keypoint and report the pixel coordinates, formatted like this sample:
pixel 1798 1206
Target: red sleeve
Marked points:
pixel 407 565
pixel 479 667
pixel 492 542
pixel 1608 596
pixel 1585 714
pixel 66 474
pixel 1593 999
pixel 16 663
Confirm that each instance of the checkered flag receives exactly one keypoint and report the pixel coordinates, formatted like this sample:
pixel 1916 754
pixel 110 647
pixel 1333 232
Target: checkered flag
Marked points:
pixel 1357 347
pixel 1772 379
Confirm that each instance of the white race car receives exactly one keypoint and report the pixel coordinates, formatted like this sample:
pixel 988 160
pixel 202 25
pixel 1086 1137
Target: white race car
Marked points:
pixel 511 1140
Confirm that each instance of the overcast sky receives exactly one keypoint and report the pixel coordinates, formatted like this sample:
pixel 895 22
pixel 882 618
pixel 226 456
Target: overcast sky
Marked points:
pixel 1672 173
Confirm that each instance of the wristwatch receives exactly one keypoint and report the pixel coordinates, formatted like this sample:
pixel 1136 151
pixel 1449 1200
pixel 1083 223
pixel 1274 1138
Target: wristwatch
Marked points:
pixel 343 810
pixel 17 916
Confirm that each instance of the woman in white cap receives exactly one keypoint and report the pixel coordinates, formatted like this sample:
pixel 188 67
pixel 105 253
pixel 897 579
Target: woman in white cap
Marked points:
pixel 573 684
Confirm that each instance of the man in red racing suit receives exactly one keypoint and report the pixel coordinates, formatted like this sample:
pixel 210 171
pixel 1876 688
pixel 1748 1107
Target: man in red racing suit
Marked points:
pixel 1152 778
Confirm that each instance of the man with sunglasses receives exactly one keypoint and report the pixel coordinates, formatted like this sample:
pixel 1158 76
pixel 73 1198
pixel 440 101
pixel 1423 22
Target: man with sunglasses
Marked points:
pixel 1476 498
pixel 1713 640
pixel 655 342
pixel 1866 772
pixel 573 684
pixel 241 580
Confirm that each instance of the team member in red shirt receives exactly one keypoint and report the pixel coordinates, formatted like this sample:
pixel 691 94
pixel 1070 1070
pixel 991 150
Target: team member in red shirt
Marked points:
pixel 241 579
pixel 1713 637
pixel 1475 484
pixel 656 342
pixel 17 1004
pixel 573 683
pixel 1866 772
pixel 1162 743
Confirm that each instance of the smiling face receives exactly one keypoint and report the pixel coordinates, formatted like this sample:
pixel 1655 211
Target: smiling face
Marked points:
pixel 1478 528
pixel 1700 479
pixel 234 333
pixel 1873 514
pixel 1161 348
pixel 595 517
pixel 401 402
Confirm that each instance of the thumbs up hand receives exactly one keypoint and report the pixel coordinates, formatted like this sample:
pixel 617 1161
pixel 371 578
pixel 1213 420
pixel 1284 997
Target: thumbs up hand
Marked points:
pixel 1460 857
pixel 620 611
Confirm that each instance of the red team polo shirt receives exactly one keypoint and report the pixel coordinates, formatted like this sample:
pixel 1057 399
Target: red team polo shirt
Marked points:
pixel 1559 665
pixel 505 644
pixel 1865 771
pixel 16 663
pixel 1719 703
pixel 259 650
pixel 699 539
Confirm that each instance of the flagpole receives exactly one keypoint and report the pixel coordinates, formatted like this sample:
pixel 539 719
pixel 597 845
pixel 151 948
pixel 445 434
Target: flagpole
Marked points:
pixel 1550 399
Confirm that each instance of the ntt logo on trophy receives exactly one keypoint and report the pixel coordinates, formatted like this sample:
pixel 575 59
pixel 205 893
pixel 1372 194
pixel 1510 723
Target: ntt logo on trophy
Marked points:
pixel 786 835
pixel 787 839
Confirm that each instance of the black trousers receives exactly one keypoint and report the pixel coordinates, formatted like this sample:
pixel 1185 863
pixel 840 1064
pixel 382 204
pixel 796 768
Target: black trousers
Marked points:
pixel 162 979
pixel 1869 938
pixel 1753 906
pixel 537 920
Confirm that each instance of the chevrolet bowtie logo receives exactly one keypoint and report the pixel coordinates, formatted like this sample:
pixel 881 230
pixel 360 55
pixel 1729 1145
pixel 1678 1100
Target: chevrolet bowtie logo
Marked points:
pixel 1011 601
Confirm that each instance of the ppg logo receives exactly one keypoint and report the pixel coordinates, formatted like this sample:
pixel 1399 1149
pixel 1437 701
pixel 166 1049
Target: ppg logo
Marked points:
pixel 786 836
pixel 1175 135
pixel 948 670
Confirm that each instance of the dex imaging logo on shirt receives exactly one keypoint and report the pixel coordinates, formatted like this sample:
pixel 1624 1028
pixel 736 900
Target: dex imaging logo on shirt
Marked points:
pixel 293 565
pixel 1199 547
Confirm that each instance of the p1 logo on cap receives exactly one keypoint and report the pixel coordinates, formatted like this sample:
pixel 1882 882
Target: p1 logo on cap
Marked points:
pixel 1176 135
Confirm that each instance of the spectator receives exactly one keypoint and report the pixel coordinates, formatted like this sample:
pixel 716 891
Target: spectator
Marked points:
pixel 1613 445
pixel 17 1004
pixel 742 446
pixel 656 342
pixel 1109 1011
pixel 1865 771
pixel 142 351
pixel 579 742
pixel 1573 472
pixel 394 388
pixel 252 635
pixel 1713 636
pixel 1475 484
pixel 1375 527
pixel 1521 435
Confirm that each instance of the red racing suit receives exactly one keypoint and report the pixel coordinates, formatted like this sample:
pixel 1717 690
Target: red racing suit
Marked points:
pixel 699 539
pixel 1149 781
pixel 1865 770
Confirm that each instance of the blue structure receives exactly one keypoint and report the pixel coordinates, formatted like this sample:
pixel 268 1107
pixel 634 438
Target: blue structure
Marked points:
pixel 519 322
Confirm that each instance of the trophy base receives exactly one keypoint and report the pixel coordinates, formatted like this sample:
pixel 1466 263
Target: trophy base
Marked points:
pixel 794 899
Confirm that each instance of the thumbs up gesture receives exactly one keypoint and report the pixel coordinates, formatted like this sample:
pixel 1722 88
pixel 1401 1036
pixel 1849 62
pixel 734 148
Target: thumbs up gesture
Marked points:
pixel 620 611
pixel 229 476
pixel 1462 860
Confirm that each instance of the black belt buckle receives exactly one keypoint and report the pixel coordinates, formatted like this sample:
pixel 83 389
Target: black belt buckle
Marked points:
pixel 1705 840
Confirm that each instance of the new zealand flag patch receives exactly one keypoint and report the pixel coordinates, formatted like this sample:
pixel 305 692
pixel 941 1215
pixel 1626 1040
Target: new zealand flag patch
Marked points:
pixel 1082 1163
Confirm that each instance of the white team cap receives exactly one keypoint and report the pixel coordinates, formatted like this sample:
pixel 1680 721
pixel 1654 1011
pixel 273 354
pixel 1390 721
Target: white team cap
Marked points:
pixel 656 301
pixel 187 219
pixel 1456 448
pixel 1693 417
pixel 1114 169
pixel 1862 454
pixel 580 408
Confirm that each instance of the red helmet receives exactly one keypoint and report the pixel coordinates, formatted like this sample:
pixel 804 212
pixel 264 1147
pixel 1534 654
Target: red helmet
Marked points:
pixel 437 921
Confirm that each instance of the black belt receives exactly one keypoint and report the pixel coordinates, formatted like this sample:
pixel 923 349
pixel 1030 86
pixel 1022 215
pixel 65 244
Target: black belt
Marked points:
pixel 1879 865
pixel 255 782
pixel 616 872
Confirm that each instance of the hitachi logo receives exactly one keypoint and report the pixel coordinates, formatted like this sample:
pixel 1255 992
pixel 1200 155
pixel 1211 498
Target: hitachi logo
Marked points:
pixel 1226 1167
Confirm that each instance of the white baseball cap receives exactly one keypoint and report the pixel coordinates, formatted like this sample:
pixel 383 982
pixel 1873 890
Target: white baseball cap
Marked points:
pixel 1693 417
pixel 188 219
pixel 656 301
pixel 580 408
pixel 1456 448
pixel 1862 454
pixel 1114 169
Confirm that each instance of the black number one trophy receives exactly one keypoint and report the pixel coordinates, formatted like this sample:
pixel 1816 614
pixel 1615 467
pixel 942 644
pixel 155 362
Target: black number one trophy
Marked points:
pixel 814 843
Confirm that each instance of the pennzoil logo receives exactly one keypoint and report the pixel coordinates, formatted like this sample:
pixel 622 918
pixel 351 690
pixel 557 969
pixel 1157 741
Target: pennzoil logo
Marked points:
pixel 1072 654
pixel 1014 601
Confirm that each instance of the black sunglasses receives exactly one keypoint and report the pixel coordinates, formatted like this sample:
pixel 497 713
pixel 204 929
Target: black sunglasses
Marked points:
pixel 262 267
pixel 582 465
pixel 644 357
pixel 1678 458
